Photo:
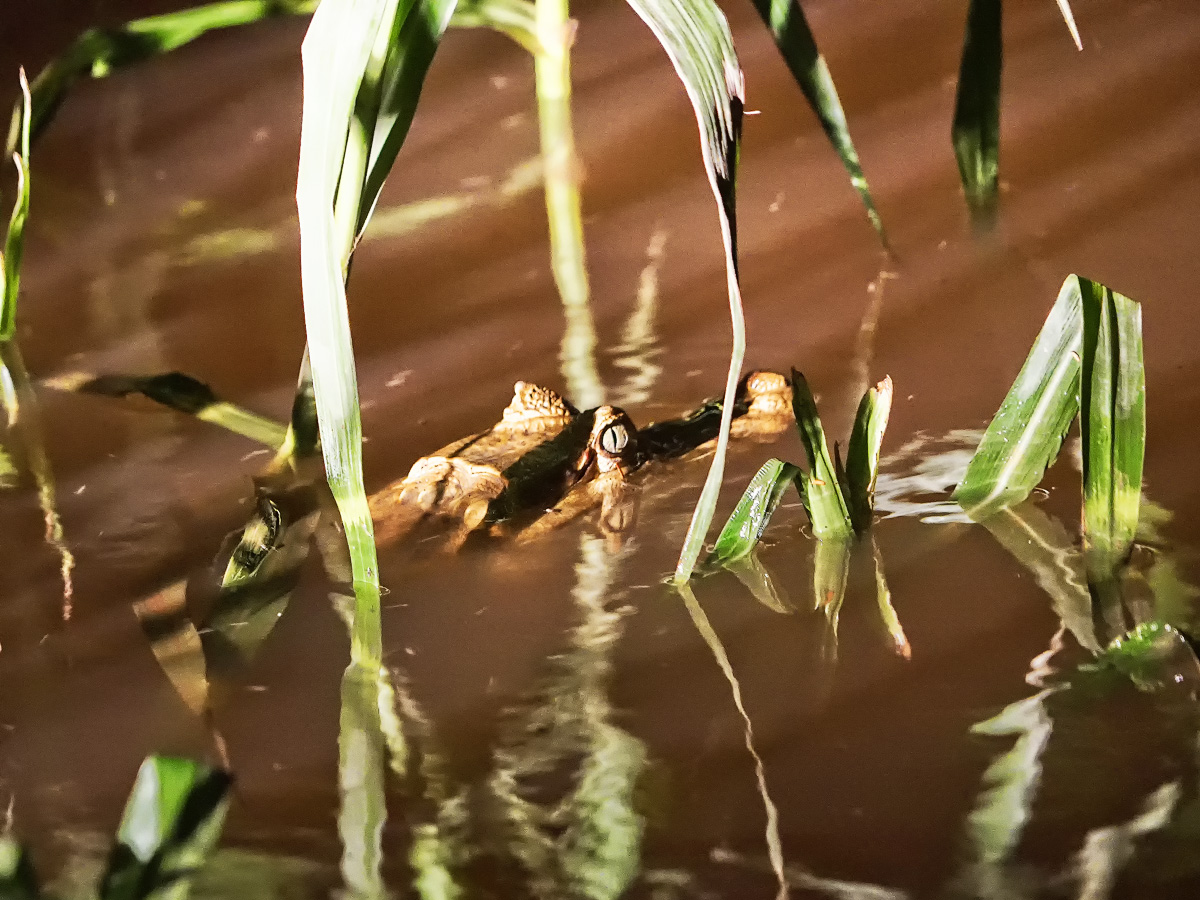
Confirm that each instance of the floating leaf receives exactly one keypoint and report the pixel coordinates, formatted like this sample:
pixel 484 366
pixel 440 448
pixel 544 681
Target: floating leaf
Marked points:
pixel 753 512
pixel 823 499
pixel 795 41
pixel 182 393
pixel 14 240
pixel 172 821
pixel 862 454
pixel 696 37
pixel 976 130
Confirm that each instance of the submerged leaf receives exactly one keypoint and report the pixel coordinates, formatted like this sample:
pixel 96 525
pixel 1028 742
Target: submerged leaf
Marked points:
pixel 822 494
pixel 696 37
pixel 14 240
pixel 1028 430
pixel 795 41
pixel 976 130
pixel 753 512
pixel 18 881
pixel 1113 407
pixel 171 824
pixel 1154 656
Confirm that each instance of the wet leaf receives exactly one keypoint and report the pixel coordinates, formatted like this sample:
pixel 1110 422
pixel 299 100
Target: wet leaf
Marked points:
pixel 862 454
pixel 976 130
pixel 753 512
pixel 1113 407
pixel 1028 430
pixel 1087 360
pixel 696 37
pixel 97 52
pixel 795 41
pixel 820 490
pixel 171 824
pixel 14 239
pixel 391 87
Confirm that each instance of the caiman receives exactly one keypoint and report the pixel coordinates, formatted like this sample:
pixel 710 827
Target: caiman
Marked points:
pixel 545 463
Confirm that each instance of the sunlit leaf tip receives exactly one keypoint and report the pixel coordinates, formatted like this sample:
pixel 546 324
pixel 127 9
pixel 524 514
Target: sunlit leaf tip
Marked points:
pixel 1064 7
pixel 14 241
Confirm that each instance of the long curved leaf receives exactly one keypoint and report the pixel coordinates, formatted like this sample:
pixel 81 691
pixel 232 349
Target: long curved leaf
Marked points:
pixel 796 44
pixel 976 130
pixel 696 37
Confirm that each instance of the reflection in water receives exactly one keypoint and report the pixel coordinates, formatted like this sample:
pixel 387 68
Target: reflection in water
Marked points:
pixel 24 422
pixel 704 627
pixel 588 843
pixel 639 347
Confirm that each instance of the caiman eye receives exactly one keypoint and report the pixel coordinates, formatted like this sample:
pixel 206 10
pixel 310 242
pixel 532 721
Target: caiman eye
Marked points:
pixel 614 439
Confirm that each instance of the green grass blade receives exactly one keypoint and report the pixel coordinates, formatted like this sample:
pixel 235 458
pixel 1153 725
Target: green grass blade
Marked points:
pixel 171 824
pixel 335 54
pixel 795 41
pixel 753 512
pixel 14 239
pixel 976 130
pixel 416 29
pixel 1113 406
pixel 831 571
pixel 862 454
pixel 97 52
pixel 1028 430
pixel 696 37
pixel 820 490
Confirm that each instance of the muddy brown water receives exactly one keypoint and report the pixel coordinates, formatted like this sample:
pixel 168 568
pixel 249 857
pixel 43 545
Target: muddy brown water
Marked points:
pixel 163 238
